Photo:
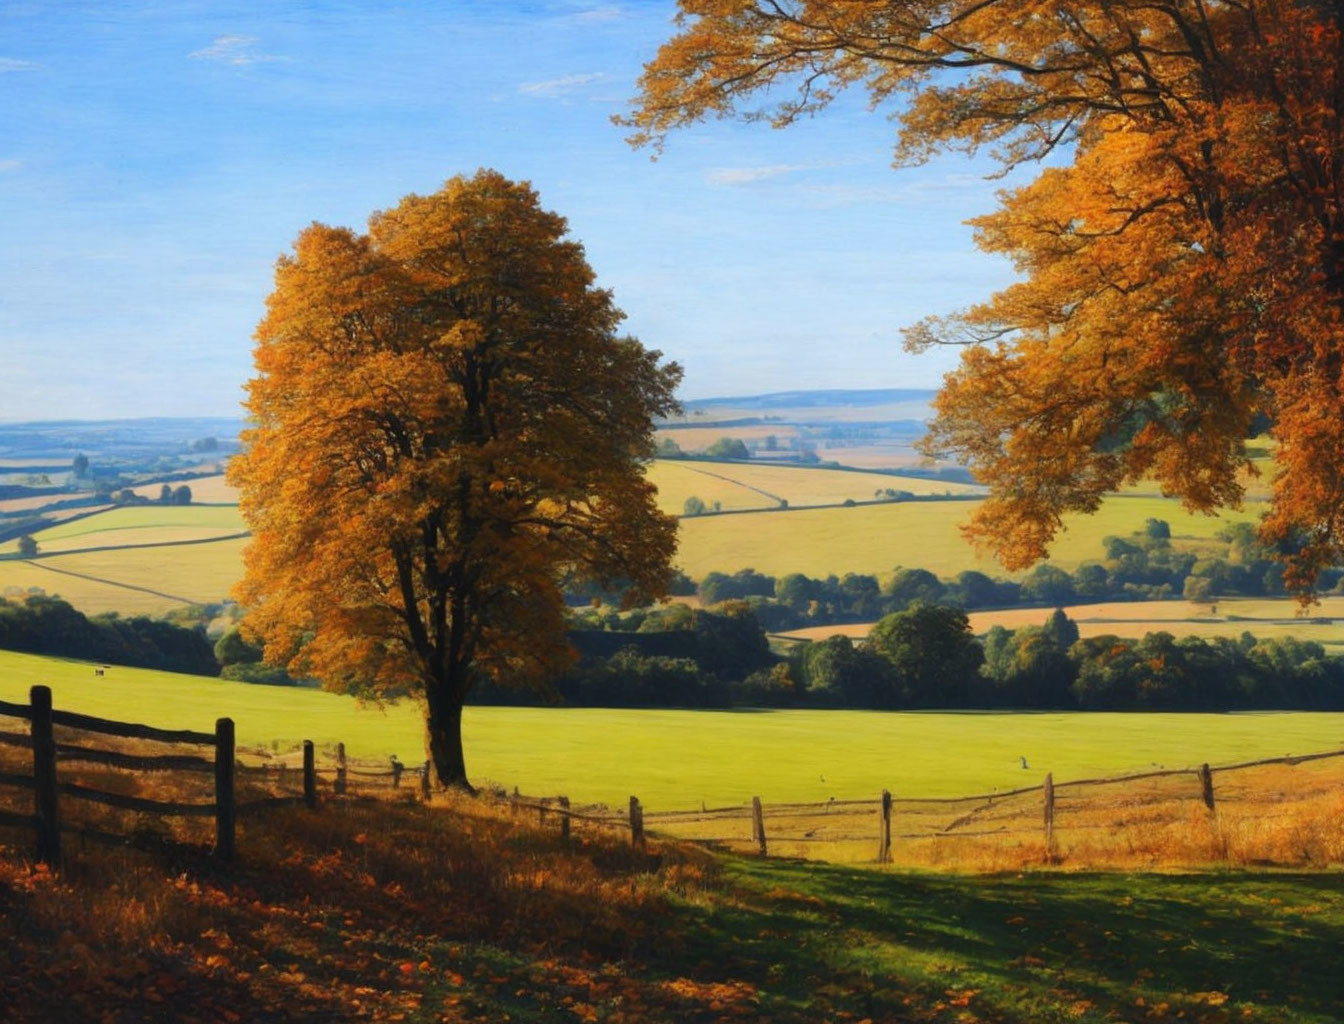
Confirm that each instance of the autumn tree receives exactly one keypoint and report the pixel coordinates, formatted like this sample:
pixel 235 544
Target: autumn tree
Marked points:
pixel 444 424
pixel 1181 263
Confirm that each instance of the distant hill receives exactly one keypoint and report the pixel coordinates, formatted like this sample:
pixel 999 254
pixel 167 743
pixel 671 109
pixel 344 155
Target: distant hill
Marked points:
pixel 115 439
pixel 779 400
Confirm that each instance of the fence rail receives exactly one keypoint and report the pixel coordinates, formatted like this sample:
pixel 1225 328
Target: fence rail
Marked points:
pixel 225 805
pixel 999 815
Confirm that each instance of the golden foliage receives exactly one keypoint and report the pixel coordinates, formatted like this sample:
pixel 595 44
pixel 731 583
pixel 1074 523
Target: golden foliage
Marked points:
pixel 1182 275
pixel 445 421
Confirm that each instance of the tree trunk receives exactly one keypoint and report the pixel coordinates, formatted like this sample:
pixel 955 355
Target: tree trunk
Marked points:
pixel 443 726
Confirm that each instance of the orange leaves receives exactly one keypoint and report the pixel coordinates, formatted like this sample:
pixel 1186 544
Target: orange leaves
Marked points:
pixel 445 422
pixel 1183 275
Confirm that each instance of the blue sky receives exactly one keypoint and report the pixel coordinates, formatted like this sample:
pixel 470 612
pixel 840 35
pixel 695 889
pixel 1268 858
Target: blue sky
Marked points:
pixel 156 157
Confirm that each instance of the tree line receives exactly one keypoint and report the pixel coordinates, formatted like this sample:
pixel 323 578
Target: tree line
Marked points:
pixel 1144 566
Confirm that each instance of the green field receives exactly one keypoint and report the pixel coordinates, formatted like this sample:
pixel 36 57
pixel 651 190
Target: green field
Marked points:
pixel 680 759
pixel 876 538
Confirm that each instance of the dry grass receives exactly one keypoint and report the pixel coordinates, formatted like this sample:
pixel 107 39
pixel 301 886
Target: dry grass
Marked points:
pixel 371 909
pixel 1282 815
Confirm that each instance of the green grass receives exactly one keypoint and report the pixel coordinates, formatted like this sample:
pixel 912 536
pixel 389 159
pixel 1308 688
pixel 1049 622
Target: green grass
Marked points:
pixel 679 759
pixel 1214 947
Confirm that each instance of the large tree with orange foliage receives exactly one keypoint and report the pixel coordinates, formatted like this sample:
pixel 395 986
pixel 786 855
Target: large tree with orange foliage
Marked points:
pixel 444 424
pixel 1182 275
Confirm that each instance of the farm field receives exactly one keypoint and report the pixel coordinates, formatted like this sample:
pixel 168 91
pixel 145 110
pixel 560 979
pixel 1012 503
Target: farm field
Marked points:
pixel 877 538
pixel 207 490
pixel 133 581
pixel 1262 618
pixel 697 439
pixel 867 538
pixel 139 524
pixel 681 759
pixel 761 485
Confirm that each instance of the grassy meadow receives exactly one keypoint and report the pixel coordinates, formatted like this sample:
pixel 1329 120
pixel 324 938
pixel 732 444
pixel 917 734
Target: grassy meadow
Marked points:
pixel 681 759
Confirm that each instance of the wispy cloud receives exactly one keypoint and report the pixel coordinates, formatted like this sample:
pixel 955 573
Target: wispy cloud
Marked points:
pixel 749 175
pixel 949 187
pixel 560 86
pixel 598 14
pixel 237 51
pixel 10 64
pixel 10 165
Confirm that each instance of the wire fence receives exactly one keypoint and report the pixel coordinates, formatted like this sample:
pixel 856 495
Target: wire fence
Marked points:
pixel 1275 810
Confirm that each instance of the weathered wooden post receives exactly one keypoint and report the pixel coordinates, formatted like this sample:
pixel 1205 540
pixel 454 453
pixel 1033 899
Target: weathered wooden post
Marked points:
pixel 309 775
pixel 1049 790
pixel 341 767
pixel 424 782
pixel 44 778
pixel 1206 786
pixel 758 824
pixel 397 769
pixel 542 804
pixel 564 816
pixel 884 846
pixel 636 823
pixel 224 777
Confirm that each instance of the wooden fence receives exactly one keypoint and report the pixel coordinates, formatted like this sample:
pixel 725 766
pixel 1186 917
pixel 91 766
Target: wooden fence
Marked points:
pixel 221 764
pixel 870 829
pixel 842 829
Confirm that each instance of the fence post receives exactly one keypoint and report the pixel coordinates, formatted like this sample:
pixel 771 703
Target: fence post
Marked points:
pixel 424 782
pixel 564 816
pixel 758 824
pixel 397 769
pixel 340 769
pixel 884 847
pixel 1049 790
pixel 542 804
pixel 636 823
pixel 224 806
pixel 1206 786
pixel 309 775
pixel 44 778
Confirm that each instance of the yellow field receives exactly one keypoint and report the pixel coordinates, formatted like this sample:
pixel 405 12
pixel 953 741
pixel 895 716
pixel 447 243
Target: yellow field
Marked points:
pixel 676 481
pixel 197 573
pixel 1262 618
pixel 141 524
pixel 209 490
pixel 745 486
pixel 697 439
pixel 876 538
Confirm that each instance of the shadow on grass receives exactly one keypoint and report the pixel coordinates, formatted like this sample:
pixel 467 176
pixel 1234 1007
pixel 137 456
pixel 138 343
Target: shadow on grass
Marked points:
pixel 1040 947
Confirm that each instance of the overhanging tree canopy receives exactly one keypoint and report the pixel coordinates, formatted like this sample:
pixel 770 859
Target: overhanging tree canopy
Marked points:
pixel 1182 277
pixel 444 423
